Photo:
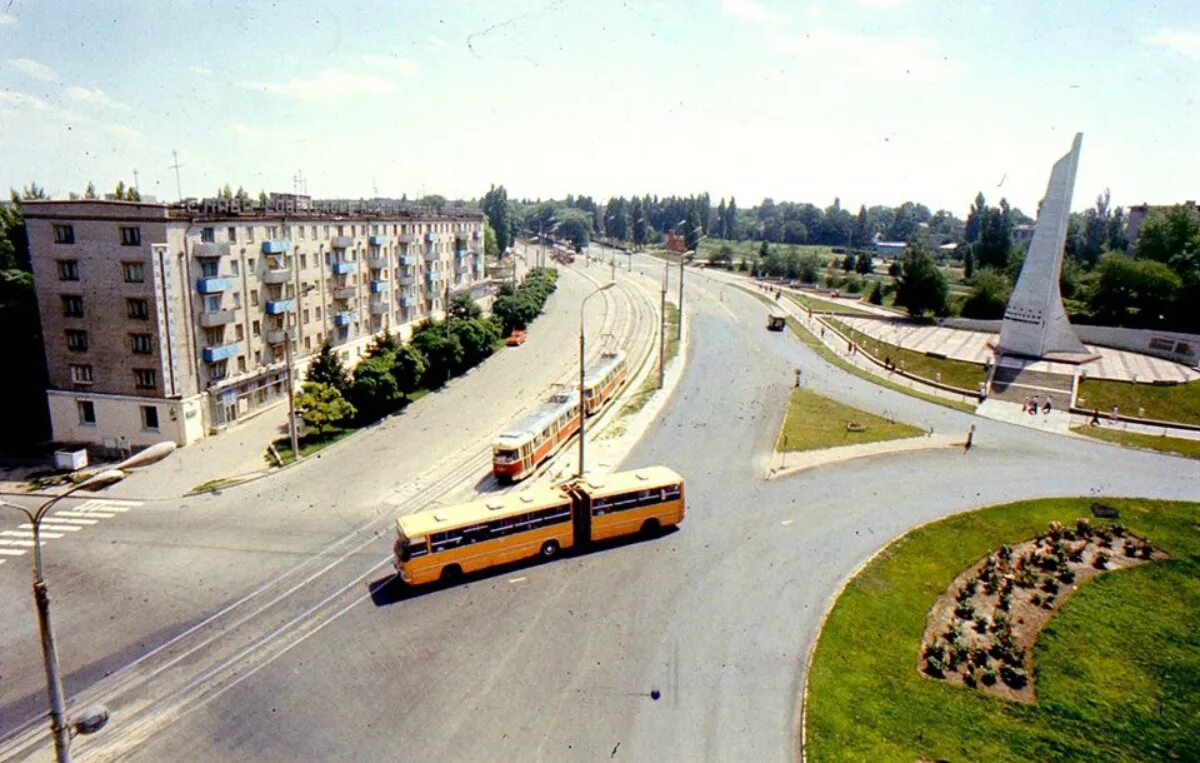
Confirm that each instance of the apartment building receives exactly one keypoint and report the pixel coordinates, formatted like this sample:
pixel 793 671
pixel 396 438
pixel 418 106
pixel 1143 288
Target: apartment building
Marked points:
pixel 173 321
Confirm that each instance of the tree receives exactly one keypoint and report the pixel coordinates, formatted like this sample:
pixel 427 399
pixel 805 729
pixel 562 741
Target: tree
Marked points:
pixel 385 344
pixel 691 228
pixel 491 247
pixel 876 296
pixel 865 264
pixel 90 191
pixel 968 264
pixel 848 263
pixel 322 406
pixel 477 337
pixel 975 219
pixel 860 235
pixel 119 192
pixel 989 295
pixel 374 390
pixel 723 256
pixel 327 368
pixel 1138 292
pixel 31 192
pixel 463 307
pixel 495 207
pixel 1169 233
pixel 921 286
pixel 442 351
pixel 764 249
pixel 408 369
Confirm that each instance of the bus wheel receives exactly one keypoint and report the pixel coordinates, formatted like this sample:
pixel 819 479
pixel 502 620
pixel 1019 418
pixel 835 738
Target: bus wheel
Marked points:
pixel 549 549
pixel 650 528
pixel 451 573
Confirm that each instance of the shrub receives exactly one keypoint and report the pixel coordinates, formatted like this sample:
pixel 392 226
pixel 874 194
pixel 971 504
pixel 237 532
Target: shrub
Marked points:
pixel 1014 676
pixel 981 624
pixel 1083 527
pixel 980 657
pixel 965 610
pixel 1066 577
pixel 988 678
pixel 1050 585
pixel 935 668
pixel 1146 551
pixel 1131 549
pixel 1035 600
pixel 1101 561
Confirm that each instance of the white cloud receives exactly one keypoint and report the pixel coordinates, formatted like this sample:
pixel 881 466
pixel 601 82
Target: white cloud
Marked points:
pixel 882 5
pixel 7 19
pixel 202 71
pixel 326 85
pixel 1187 43
pixel 390 63
pixel 436 42
pixel 895 58
pixel 31 68
pixel 96 97
pixel 13 101
pixel 21 102
pixel 750 10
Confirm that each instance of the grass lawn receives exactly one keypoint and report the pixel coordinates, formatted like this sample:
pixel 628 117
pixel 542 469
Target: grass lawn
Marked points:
pixel 309 444
pixel 825 305
pixel 1104 693
pixel 1177 445
pixel 1177 402
pixel 814 422
pixel 956 372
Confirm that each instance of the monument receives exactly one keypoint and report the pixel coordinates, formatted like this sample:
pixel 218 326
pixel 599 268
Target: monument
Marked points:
pixel 1035 324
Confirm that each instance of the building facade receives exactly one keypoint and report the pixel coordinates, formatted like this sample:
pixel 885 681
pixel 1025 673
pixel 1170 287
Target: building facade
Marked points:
pixel 174 321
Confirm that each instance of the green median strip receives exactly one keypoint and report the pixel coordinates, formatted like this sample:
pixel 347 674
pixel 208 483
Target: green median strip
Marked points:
pixel 1175 445
pixel 1117 666
pixel 814 422
pixel 957 373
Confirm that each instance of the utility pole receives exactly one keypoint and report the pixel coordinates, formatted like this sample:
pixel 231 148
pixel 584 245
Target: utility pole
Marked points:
pixel 287 350
pixel 135 180
pixel 662 328
pixel 176 166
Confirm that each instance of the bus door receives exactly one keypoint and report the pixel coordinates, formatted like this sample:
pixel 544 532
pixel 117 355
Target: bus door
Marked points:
pixel 581 505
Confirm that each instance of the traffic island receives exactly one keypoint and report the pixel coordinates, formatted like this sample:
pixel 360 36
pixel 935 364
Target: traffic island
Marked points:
pixel 1115 666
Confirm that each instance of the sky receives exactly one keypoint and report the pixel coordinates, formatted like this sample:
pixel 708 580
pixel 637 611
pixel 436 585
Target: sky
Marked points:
pixel 867 101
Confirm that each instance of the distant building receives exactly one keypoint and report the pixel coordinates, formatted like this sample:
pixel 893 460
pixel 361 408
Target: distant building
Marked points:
pixel 1137 215
pixel 1022 233
pixel 890 249
pixel 171 321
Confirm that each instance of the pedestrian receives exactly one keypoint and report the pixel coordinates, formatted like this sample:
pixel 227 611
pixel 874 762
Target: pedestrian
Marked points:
pixel 1025 405
pixel 1033 405
pixel 1047 406
pixel 1113 415
pixel 1095 422
pixel 970 437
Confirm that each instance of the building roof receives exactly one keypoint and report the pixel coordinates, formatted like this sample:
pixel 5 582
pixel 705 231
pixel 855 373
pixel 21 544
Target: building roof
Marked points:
pixel 283 207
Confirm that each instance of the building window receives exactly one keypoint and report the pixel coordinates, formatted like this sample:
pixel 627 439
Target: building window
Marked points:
pixel 131 236
pixel 215 336
pixel 306 315
pixel 272 232
pixel 87 412
pixel 142 344
pixel 135 272
pixel 254 297
pixel 235 267
pixel 302 236
pixel 303 260
pixel 76 340
pixel 145 378
pixel 72 306
pixel 250 233
pixel 81 374
pixel 212 303
pixel 207 236
pixel 210 268
pixel 240 332
pixel 318 313
pixel 308 342
pixel 218 370
pixel 138 309
pixel 68 270
pixel 256 328
pixel 241 363
pixel 149 417
pixel 232 233
pixel 64 234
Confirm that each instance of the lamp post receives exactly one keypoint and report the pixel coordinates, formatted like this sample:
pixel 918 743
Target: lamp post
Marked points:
pixel 582 410
pixel 662 321
pixel 682 259
pixel 93 718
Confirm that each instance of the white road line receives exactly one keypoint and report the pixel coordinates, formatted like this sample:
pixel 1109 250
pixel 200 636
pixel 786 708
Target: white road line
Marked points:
pixel 787 522
pixel 89 506
pixel 23 543
pixel 517 580
pixel 50 526
pixel 90 516
pixel 11 552
pixel 27 534
pixel 60 517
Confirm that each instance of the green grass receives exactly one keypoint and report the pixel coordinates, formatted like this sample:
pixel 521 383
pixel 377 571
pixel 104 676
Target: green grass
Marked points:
pixel 814 422
pixel 1117 668
pixel 213 485
pixel 309 444
pixel 958 373
pixel 833 358
pixel 1176 402
pixel 824 305
pixel 1176 445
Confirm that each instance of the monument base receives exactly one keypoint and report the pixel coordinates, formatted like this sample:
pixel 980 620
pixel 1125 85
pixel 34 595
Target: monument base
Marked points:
pixel 1072 358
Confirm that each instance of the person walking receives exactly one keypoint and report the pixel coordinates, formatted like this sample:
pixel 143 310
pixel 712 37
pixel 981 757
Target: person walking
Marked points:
pixel 970 438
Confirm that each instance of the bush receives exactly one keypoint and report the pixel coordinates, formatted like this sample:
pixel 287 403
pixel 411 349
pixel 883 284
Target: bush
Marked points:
pixel 1014 676
pixel 1101 561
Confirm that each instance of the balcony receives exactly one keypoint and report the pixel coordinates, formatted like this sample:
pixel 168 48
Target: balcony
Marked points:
pixel 217 318
pixel 477 235
pixel 408 238
pixel 341 242
pixel 380 308
pixel 433 292
pixel 276 246
pixel 432 256
pixel 463 270
pixel 221 352
pixel 213 285
pixel 377 261
pixel 408 301
pixel 431 237
pixel 277 275
pixel 377 240
pixel 280 306
pixel 433 276
pixel 344 319
pixel 406 260
pixel 379 286
pixel 345 292
pixel 210 249
pixel 279 336
pixel 406 280
pixel 460 252
pixel 343 268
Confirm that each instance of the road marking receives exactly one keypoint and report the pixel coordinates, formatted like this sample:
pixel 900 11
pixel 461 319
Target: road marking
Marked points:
pixel 787 522
pixel 12 552
pixel 89 516
pixel 27 534
pixel 64 518
pixel 51 526
pixel 24 543
pixel 94 505
pixel 517 580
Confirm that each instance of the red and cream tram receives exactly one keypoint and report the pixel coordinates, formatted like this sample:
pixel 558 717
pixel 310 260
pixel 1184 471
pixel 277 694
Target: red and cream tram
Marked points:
pixel 535 437
pixel 602 380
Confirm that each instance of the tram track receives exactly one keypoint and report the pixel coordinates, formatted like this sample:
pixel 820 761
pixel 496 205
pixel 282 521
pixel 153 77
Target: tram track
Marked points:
pixel 228 646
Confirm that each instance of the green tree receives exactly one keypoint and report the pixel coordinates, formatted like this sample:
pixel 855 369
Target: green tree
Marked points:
pixel 90 191
pixel 865 265
pixel 463 307
pixel 723 256
pixel 990 290
pixel 327 368
pixel 491 248
pixel 968 264
pixel 408 369
pixel 921 286
pixel 876 296
pixel 119 191
pixel 442 350
pixel 495 207
pixel 374 390
pixel 848 263
pixel 477 337
pixel 1168 233
pixel 384 344
pixel 1132 292
pixel 322 406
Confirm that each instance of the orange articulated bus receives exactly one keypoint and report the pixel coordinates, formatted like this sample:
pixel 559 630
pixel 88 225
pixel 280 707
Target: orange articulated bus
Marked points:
pixel 535 437
pixel 603 380
pixel 446 543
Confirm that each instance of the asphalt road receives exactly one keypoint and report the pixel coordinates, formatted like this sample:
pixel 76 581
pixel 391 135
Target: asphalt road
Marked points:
pixel 563 660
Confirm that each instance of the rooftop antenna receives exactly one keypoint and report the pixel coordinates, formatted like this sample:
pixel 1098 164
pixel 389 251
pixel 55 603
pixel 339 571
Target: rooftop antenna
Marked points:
pixel 375 187
pixel 135 179
pixel 176 166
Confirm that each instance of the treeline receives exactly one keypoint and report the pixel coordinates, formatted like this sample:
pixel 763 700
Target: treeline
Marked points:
pixel 516 309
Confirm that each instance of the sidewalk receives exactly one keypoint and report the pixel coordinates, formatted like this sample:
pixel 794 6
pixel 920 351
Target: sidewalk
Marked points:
pixel 786 463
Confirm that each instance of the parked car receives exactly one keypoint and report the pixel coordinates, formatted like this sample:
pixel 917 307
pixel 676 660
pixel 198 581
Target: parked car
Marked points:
pixel 516 338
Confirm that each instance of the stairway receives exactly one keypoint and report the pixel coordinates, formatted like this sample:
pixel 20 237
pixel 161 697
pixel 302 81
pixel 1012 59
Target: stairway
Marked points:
pixel 1014 382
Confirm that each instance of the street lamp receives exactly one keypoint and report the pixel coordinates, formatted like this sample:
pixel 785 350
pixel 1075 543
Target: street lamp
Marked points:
pixel 93 718
pixel 682 259
pixel 582 409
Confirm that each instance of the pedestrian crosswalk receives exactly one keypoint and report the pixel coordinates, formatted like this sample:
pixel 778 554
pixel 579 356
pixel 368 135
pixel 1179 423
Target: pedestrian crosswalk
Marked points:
pixel 61 523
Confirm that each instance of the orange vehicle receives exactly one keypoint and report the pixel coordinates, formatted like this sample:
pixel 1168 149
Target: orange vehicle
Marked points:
pixel 516 338
pixel 535 437
pixel 446 543
pixel 603 380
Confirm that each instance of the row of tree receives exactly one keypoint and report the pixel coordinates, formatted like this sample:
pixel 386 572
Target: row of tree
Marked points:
pixel 516 308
